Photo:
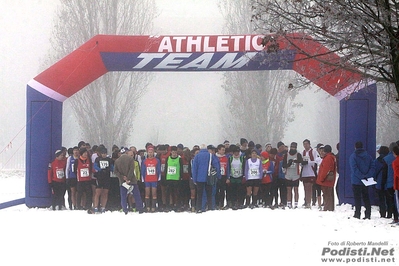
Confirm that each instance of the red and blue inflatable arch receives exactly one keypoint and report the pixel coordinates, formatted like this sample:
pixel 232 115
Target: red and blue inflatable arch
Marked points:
pixel 103 53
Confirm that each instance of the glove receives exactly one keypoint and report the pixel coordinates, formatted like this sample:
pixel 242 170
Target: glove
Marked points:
pixel 304 162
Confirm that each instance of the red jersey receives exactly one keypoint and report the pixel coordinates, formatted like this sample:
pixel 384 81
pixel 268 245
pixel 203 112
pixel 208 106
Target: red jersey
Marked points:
pixel 150 170
pixel 56 172
pixel 83 169
pixel 223 165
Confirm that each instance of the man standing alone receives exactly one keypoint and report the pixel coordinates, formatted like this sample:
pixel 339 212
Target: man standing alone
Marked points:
pixel 362 167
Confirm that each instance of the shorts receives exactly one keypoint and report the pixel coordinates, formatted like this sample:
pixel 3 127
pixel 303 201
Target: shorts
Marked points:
pixel 253 183
pixel 151 184
pixel 308 179
pixel 292 183
pixel 103 183
pixel 72 182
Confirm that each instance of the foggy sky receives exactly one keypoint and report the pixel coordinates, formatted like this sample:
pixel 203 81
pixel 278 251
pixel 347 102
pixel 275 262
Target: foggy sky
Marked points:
pixel 197 98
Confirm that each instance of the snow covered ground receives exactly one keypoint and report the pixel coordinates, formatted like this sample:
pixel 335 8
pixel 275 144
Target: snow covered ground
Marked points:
pixel 245 237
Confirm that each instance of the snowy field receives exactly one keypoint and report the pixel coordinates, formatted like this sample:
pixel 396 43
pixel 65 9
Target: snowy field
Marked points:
pixel 243 237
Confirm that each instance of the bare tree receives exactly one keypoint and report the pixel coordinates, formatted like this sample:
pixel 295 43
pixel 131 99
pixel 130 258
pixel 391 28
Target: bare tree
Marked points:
pixel 105 109
pixel 387 117
pixel 363 33
pixel 260 103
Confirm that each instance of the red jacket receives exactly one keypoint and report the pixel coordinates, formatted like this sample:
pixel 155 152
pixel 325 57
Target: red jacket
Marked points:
pixel 328 164
pixel 395 166
pixel 56 172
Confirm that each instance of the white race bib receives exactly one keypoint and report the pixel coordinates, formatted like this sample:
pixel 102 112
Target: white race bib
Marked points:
pixel 222 172
pixel 162 168
pixel 185 169
pixel 60 173
pixel 236 172
pixel 104 164
pixel 84 172
pixel 254 172
pixel 151 170
pixel 172 170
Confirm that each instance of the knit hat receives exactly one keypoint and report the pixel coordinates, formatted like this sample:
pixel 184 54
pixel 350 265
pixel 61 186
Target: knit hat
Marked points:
pixel 264 154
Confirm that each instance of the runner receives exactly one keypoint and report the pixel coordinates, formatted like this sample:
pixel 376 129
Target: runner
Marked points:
pixel 150 175
pixel 291 163
pixel 56 180
pixel 253 175
pixel 103 166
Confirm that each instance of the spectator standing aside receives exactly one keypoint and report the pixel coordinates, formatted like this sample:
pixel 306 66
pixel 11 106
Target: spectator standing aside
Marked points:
pixel 124 170
pixel 362 167
pixel 381 176
pixel 395 166
pixel 326 177
pixel 200 172
pixel 390 192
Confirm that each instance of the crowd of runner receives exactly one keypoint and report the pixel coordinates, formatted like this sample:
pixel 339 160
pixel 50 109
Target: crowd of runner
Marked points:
pixel 164 178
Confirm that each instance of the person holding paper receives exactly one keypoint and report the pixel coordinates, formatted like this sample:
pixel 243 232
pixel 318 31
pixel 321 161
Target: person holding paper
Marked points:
pixel 362 167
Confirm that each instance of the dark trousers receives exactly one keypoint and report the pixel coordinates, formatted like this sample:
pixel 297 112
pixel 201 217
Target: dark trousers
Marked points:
pixel 361 192
pixel 391 206
pixel 172 190
pixel 58 194
pixel 234 190
pixel 382 198
pixel 84 187
pixel 282 188
pixel 221 191
pixel 328 198
pixel 266 194
pixel 200 191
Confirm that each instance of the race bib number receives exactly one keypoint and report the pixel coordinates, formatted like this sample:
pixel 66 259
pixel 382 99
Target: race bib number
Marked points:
pixel 306 158
pixel 254 172
pixel 151 170
pixel 222 171
pixel 60 173
pixel 162 168
pixel 84 172
pixel 236 172
pixel 73 168
pixel 185 169
pixel 172 170
pixel 104 164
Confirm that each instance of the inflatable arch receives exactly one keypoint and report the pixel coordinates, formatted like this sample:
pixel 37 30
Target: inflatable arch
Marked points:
pixel 47 91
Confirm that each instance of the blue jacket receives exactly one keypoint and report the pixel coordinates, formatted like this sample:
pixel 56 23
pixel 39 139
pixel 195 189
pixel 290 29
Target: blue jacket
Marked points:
pixel 362 166
pixel 389 159
pixel 200 166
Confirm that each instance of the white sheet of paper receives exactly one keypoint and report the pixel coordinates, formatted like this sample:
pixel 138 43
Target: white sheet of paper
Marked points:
pixel 369 182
